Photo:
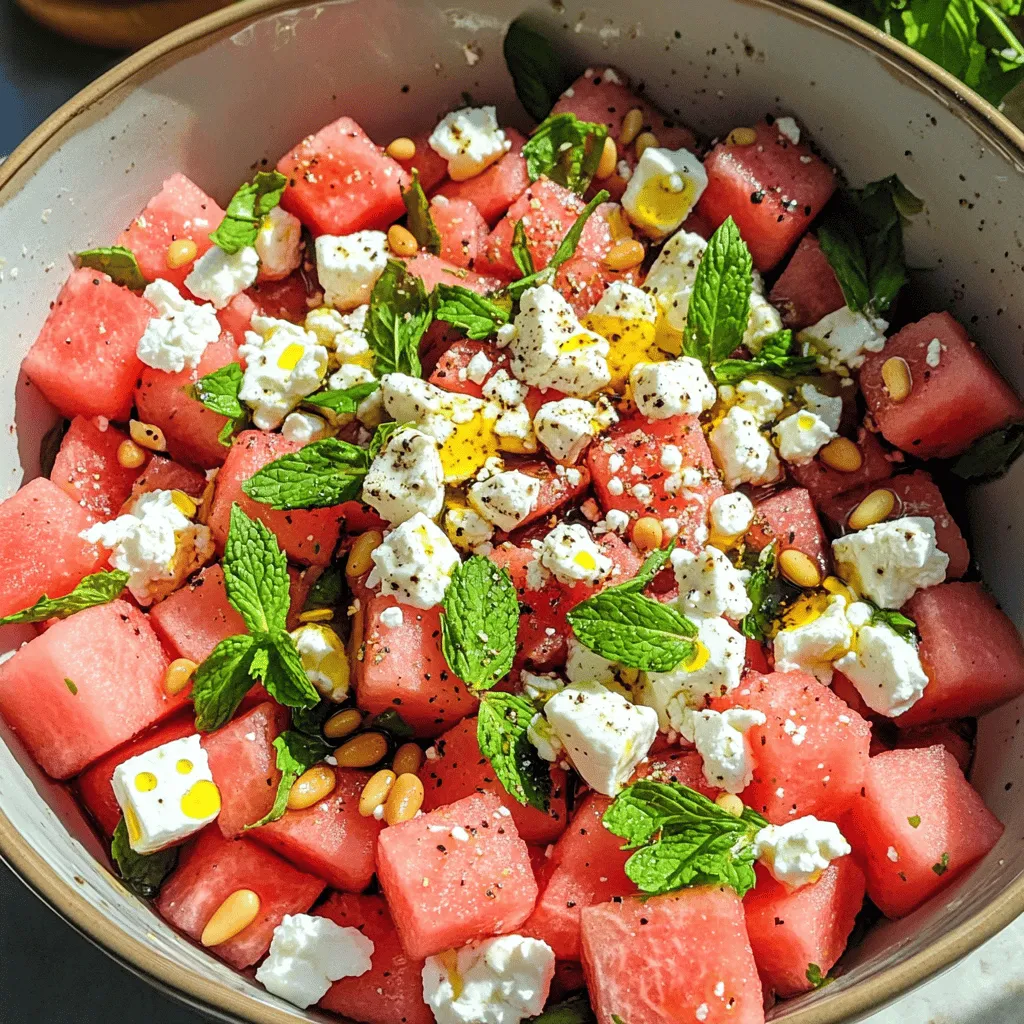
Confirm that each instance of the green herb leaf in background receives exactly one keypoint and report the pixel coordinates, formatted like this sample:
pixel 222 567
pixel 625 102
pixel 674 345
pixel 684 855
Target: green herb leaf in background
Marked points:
pixel 992 455
pixel 97 588
pixel 502 722
pixel 774 358
pixel 521 250
pixel 400 312
pixel 768 591
pixel 255 574
pixel 246 210
pixel 896 621
pixel 421 223
pixel 296 754
pixel 218 391
pixel 566 150
pixel 319 475
pixel 479 317
pixel 343 401
pixel 815 977
pixel 142 873
pixel 573 1010
pixel 117 262
pixel 392 723
pixel 535 69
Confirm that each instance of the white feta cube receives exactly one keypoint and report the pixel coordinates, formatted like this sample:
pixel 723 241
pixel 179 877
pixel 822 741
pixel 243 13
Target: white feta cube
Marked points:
pixel 414 564
pixel 566 427
pixel 671 388
pixel 626 302
pixel 762 400
pixel 798 852
pixel 813 645
pixel 279 244
pixel 177 336
pixel 843 339
pixel 788 128
pixel 885 669
pixel 405 478
pixel 828 408
pixel 432 409
pixel 582 665
pixel 478 367
pixel 720 739
pixel 466 528
pixel 470 140
pixel 741 451
pixel 542 735
pixel 573 555
pixel 800 436
pixel 348 266
pixel 303 427
pixel 709 584
pixel 504 499
pixel 731 516
pixel 343 334
pixel 663 189
pixel 218 276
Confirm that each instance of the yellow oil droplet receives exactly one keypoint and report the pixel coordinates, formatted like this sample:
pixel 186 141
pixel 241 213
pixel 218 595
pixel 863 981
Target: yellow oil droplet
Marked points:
pixel 184 766
pixel 468 448
pixel 834 585
pixel 629 342
pixel 698 659
pixel 145 782
pixel 577 342
pixel 665 200
pixel 131 823
pixel 805 610
pixel 805 421
pixel 585 560
pixel 290 357
pixel 450 961
pixel 201 801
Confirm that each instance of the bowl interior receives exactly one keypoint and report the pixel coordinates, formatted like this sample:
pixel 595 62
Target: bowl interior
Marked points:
pixel 216 101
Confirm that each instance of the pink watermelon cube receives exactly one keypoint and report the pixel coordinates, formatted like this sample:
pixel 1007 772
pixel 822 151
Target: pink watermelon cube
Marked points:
pixel 180 210
pixel 431 166
pixel 772 189
pixel 493 191
pixel 676 958
pixel 970 649
pixel 788 518
pixel 391 992
pixel 815 772
pixel 459 770
pixel 955 737
pixel 915 825
pixel 808 288
pixel 673 765
pixel 824 482
pixel 432 271
pixel 84 359
pixel 341 182
pixel 951 404
pixel 331 839
pixel 791 929
pixel 236 317
pixel 116 669
pixel 211 869
pixel 456 874
pixel 463 230
pixel 582 280
pixel 163 474
pixel 287 299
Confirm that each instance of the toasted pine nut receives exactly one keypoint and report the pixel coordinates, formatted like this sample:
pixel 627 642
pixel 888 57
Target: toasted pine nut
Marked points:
pixel 376 791
pixel 624 255
pixel 178 675
pixel 359 560
pixel 401 148
pixel 609 158
pixel 405 800
pixel 407 760
pixel 632 125
pixel 130 455
pixel 896 375
pixel 402 241
pixel 147 435
pixel 180 252
pixel 317 615
pixel 206 503
pixel 343 724
pixel 184 503
pixel 799 568
pixel 730 803
pixel 647 533
pixel 741 137
pixel 362 751
pixel 311 787
pixel 236 913
pixel 878 505
pixel 644 141
pixel 842 455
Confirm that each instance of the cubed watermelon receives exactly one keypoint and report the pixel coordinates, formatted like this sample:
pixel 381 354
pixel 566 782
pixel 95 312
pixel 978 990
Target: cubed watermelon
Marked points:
pixel 824 482
pixel 462 230
pixel 671 959
pixel 810 755
pixel 456 874
pixel 429 164
pixel 956 737
pixel 391 992
pixel 915 825
pixel 450 370
pixel 788 518
pixel 84 359
pixel 673 765
pixel 341 182
pixel 459 769
pixel 556 488
pixel 88 684
pixel 951 403
pixel 288 299
pixel 163 474
pixel 582 280
pixel 211 869
pixel 236 317
pixel 493 191
pixel 331 839
pixel 793 930
pixel 432 271
pixel 772 189
pixel 808 288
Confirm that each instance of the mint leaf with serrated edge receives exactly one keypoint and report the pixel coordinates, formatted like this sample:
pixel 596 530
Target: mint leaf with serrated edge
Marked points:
pixel 117 262
pixel 343 400
pixel 502 721
pixel 400 312
pixel 774 358
pixel 521 249
pixel 142 873
pixel 535 68
pixel 247 208
pixel 383 434
pixel 566 150
pixel 318 475
pixel 255 574
pixel 97 588
pixel 652 565
pixel 218 391
pixel 479 621
pixel 296 754
pixel 992 455
pixel 476 315
pixel 421 223
pixel 286 680
pixel 222 680
pixel 768 592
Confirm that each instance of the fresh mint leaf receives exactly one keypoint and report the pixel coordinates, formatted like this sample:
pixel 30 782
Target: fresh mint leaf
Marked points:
pixel 992 455
pixel 247 208
pixel 383 434
pixel 477 316
pixel 392 723
pixel 296 754
pixel 421 223
pixel 501 727
pixel 897 622
pixel 768 592
pixel 328 591
pixel 97 588
pixel 574 1010
pixel 535 69
pixel 774 358
pixel 318 475
pixel 311 720
pixel 117 262
pixel 400 312
pixel 142 873
pixel 652 565
pixel 521 249
pixel 222 680
pixel 479 622
pixel 566 150
pixel 255 574
pixel 218 391
pixel 815 977
pixel 343 401
pixel 286 680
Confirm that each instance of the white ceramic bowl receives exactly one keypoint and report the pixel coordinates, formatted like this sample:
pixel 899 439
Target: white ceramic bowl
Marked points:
pixel 215 98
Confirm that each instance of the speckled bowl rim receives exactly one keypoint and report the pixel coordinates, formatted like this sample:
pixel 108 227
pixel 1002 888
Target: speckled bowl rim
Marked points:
pixel 210 996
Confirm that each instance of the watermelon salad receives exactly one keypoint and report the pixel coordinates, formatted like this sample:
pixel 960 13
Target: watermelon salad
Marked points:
pixel 482 577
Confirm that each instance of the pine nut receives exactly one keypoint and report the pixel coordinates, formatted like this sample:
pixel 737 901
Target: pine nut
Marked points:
pixel 799 568
pixel 343 724
pixel 609 159
pixel 234 915
pixel 401 148
pixel 178 675
pixel 624 255
pixel 311 787
pixel 842 455
pixel 317 615
pixel 362 751
pixel 359 561
pixel 408 759
pixel 405 800
pixel 878 505
pixel 644 141
pixel 184 503
pixel 180 252
pixel 897 379
pixel 741 137
pixel 632 125
pixel 206 503
pixel 402 241
pixel 376 791
pixel 730 803
pixel 148 436
pixel 130 455
pixel 647 533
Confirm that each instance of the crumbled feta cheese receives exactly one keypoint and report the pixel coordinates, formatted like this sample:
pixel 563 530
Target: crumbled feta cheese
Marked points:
pixel 218 276
pixel 303 427
pixel 615 486
pixel 494 981
pixel 177 336
pixel 279 244
pixel 731 515
pixel 812 646
pixel 933 355
pixel 762 400
pixel 470 140
pixel 721 742
pixel 348 266
pixel 664 186
pixel 166 794
pixel 828 408
pixel 504 499
pixel 573 556
pixel 308 953
pixel 843 338
pixel 604 735
pixel 800 436
pixel 799 851
pixel 627 302
pixel 788 128
pixel 709 584
pixel 343 334
pixel 566 427
pixel 322 654
pixel 432 409
pixel 584 666
pixel 466 528
pixel 741 452
pixel 890 561
pixel 539 688
pixel 885 669
pixel 478 367
pixel 505 391
pixel 414 564
pixel 623 170
pixel 405 478
pixel 542 735
pixel 392 617
pixel 661 390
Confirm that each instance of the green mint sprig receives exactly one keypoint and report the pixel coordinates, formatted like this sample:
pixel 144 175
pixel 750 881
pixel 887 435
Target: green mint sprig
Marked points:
pixel 566 150
pixel 521 254
pixel 318 475
pixel 218 391
pixel 296 754
pixel 97 588
pixel 421 223
pixel 117 262
pixel 775 358
pixel 501 727
pixel 142 873
pixel 536 71
pixel 400 312
pixel 768 592
pixel 248 206
pixel 902 626
pixel 476 315
pixel 343 400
